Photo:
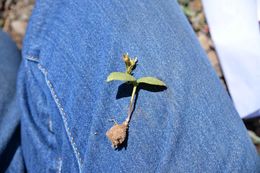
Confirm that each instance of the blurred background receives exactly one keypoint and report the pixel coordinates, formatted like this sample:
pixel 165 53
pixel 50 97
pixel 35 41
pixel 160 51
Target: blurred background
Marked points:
pixel 14 16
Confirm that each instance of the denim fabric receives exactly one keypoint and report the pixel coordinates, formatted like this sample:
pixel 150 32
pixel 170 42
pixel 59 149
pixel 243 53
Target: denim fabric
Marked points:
pixel 10 150
pixel 71 47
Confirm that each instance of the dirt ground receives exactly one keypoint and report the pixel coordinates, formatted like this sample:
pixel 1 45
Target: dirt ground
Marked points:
pixel 14 16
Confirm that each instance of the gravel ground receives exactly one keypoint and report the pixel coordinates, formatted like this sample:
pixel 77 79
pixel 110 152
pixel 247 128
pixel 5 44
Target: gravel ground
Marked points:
pixel 14 15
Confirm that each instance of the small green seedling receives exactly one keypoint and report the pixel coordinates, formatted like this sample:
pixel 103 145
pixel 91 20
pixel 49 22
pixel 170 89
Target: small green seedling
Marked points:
pixel 117 133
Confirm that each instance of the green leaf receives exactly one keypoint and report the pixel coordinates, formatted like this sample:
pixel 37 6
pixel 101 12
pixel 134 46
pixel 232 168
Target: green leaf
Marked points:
pixel 120 76
pixel 151 81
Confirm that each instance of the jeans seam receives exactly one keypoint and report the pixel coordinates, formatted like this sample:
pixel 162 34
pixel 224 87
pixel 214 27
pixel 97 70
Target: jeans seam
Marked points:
pixel 59 165
pixel 61 110
pixel 32 58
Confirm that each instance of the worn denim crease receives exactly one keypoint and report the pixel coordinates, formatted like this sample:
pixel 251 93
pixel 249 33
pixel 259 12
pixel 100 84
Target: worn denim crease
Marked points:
pixel 61 110
pixel 11 158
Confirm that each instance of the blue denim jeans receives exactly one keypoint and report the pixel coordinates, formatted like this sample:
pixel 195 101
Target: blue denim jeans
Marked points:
pixel 11 159
pixel 66 104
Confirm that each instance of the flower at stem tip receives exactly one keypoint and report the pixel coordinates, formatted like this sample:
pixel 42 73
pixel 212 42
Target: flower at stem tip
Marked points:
pixel 129 63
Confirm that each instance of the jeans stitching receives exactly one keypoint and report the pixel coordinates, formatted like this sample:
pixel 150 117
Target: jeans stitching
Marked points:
pixel 63 114
pixel 50 125
pixel 32 58
pixel 59 165
pixel 61 110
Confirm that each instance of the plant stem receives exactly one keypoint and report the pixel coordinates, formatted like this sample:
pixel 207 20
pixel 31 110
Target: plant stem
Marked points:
pixel 131 104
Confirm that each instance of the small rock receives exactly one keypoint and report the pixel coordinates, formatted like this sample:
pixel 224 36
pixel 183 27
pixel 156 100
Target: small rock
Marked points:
pixel 195 5
pixel 215 62
pixel 204 41
pixel 19 27
pixel 213 57
pixel 198 21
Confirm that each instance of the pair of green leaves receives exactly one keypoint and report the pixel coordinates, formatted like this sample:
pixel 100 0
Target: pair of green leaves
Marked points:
pixel 129 78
